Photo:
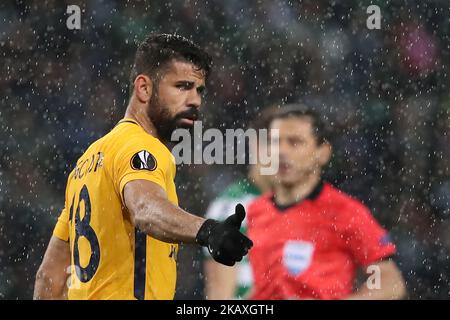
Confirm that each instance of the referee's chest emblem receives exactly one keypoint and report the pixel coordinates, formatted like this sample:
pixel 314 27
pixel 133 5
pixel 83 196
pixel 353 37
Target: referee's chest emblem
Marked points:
pixel 297 256
pixel 143 160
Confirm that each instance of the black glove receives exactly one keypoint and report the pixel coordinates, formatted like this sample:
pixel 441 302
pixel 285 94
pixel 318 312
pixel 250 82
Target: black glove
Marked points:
pixel 225 242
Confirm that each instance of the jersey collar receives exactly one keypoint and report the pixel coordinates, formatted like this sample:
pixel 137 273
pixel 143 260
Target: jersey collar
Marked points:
pixel 312 196
pixel 125 120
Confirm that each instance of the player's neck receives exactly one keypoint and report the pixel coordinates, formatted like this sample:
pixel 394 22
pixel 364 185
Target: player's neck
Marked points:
pixel 141 117
pixel 288 194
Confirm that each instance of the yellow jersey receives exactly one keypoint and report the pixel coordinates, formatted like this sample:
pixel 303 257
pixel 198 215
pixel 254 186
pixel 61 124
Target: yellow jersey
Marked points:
pixel 110 258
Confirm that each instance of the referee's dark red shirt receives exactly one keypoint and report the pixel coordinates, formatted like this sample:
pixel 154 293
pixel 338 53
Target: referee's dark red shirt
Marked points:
pixel 312 249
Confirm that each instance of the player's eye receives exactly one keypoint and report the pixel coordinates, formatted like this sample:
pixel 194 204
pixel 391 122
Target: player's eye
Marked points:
pixel 201 91
pixel 184 85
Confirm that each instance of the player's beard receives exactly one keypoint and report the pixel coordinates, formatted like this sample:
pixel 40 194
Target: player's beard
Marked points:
pixel 160 117
pixel 164 122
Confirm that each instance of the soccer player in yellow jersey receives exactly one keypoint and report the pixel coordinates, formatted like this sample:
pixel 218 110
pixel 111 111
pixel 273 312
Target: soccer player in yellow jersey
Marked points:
pixel 117 236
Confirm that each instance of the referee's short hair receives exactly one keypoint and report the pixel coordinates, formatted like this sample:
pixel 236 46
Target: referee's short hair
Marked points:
pixel 299 110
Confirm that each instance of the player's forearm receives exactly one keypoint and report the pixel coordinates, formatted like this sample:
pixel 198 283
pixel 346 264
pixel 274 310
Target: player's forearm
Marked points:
pixel 167 222
pixel 152 213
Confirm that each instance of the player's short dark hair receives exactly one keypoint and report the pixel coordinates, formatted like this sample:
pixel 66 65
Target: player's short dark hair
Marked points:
pixel 157 50
pixel 320 129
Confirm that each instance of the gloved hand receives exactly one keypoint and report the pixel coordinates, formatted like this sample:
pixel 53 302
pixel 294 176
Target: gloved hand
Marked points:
pixel 224 241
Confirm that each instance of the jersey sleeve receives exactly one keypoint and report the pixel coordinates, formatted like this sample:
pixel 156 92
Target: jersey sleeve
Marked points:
pixel 365 238
pixel 61 230
pixel 143 159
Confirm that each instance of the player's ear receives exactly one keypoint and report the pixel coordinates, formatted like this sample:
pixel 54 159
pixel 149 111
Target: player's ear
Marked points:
pixel 143 87
pixel 325 151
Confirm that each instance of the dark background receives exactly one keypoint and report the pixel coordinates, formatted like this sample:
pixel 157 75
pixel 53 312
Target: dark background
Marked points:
pixel 385 94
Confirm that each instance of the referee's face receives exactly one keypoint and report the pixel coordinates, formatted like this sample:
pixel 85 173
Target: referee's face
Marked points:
pixel 300 154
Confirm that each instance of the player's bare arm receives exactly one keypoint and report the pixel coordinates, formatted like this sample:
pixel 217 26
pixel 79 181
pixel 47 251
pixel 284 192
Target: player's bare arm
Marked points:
pixel 154 214
pixel 392 285
pixel 52 275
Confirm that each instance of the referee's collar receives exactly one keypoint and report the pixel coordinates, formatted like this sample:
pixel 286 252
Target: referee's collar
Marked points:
pixel 311 196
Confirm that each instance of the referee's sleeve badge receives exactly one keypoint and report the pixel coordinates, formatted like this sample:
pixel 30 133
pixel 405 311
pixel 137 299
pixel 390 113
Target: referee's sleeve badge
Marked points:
pixel 143 160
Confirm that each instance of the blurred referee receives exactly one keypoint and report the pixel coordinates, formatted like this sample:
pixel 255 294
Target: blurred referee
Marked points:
pixel 310 238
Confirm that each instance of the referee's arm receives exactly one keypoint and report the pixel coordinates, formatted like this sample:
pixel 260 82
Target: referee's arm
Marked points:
pixel 391 283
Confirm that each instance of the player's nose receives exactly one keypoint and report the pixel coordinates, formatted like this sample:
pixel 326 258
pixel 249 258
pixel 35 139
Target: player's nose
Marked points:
pixel 194 99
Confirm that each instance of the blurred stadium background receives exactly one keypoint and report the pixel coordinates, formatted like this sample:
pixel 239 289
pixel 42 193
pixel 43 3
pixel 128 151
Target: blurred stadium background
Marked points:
pixel 385 93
